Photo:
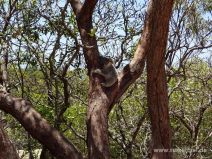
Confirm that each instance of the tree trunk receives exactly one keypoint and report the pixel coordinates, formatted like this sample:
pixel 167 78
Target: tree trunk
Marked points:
pixel 97 126
pixel 101 100
pixel 7 150
pixel 156 82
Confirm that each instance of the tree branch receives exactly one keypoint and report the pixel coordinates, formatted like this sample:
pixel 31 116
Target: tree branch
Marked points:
pixel 84 14
pixel 38 127
pixel 86 11
pixel 76 5
pixel 133 70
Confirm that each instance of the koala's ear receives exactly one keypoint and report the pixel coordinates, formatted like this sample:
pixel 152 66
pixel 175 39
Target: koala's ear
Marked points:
pixel 111 60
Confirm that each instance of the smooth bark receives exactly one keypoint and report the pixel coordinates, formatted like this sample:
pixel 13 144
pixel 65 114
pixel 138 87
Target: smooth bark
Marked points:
pixel 157 94
pixel 101 100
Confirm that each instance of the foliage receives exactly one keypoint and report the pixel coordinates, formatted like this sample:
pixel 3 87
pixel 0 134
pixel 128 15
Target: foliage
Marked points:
pixel 46 67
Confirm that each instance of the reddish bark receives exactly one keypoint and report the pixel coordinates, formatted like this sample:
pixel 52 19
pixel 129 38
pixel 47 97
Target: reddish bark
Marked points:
pixel 157 94
pixel 101 100
pixel 97 113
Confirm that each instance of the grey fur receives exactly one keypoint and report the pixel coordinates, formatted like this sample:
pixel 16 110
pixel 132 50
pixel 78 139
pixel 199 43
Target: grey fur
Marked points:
pixel 109 73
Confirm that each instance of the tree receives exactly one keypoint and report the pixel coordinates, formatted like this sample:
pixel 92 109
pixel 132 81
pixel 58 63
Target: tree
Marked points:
pixel 157 95
pixel 190 115
pixel 7 149
pixel 102 100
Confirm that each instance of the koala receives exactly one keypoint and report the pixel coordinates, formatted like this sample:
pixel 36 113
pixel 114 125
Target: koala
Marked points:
pixel 2 89
pixel 108 71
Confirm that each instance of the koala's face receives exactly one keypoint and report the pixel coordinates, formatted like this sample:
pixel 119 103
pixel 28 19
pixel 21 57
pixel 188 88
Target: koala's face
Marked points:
pixel 110 60
pixel 105 60
pixel 108 63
